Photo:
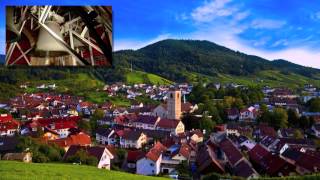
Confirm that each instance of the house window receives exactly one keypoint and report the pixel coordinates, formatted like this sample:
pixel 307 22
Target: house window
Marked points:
pixel 171 96
pixel 151 164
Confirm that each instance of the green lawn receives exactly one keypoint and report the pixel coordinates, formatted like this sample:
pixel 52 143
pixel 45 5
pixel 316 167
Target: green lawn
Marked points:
pixel 16 170
pixel 136 77
pixel 268 77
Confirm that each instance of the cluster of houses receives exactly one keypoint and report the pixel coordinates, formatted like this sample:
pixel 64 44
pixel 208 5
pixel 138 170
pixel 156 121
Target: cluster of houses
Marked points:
pixel 154 137
pixel 152 91
pixel 276 153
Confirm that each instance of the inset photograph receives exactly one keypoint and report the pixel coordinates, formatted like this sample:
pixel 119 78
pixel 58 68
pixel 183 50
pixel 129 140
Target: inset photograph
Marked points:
pixel 58 36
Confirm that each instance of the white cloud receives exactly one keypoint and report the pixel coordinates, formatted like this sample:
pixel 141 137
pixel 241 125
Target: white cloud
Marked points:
pixel 182 17
pixel 226 33
pixel 137 44
pixel 281 42
pixel 267 24
pixel 299 55
pixel 211 10
pixel 241 15
pixel 315 16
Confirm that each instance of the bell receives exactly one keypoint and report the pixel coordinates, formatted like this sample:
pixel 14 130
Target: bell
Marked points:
pixel 13 34
pixel 46 45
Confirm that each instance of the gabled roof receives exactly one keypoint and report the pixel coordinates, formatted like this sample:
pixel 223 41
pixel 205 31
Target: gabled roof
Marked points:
pixel 78 139
pixel 185 150
pixel 96 151
pixel 312 163
pixel 207 160
pixel 271 164
pixel 266 130
pixel 155 152
pixel 7 122
pixel 244 169
pixel 146 119
pixel 168 123
pixel 231 152
pixel 257 153
pixel 132 135
pixel 103 131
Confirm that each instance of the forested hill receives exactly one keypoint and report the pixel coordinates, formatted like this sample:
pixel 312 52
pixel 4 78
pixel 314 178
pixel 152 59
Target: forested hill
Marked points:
pixel 173 58
pixel 182 61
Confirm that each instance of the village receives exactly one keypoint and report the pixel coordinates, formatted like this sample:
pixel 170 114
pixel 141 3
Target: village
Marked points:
pixel 156 139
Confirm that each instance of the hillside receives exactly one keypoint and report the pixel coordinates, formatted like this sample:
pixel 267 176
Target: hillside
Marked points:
pixel 181 60
pixel 166 61
pixel 19 171
pixel 136 77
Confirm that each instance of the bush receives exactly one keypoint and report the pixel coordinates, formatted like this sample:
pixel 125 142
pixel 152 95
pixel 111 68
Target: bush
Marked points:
pixel 83 158
pixel 39 158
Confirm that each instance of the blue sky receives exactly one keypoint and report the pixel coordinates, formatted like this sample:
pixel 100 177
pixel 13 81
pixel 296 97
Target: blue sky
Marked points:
pixel 288 29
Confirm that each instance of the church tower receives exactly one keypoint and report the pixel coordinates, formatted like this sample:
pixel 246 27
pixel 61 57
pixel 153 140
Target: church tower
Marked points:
pixel 174 104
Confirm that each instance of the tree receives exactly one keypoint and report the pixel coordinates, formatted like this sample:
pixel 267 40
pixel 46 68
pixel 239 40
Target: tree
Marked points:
pixel 314 105
pixel 184 169
pixel 266 115
pixel 83 158
pixel 293 118
pixel 39 157
pixel 279 118
pixel 304 122
pixel 297 134
pixel 84 125
pixel 206 123
pixel 97 115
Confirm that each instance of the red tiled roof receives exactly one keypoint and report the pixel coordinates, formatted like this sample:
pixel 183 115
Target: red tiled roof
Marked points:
pixel 185 150
pixel 257 153
pixel 232 153
pixel 7 122
pixel 5 117
pixel 78 139
pixel 146 119
pixel 267 130
pixel 309 162
pixel 155 152
pixel 168 123
pixel 272 164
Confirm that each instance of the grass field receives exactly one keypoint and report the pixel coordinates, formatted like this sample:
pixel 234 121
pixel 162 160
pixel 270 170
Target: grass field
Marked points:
pixel 19 171
pixel 267 77
pixel 136 77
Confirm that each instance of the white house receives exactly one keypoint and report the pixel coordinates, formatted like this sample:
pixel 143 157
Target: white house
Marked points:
pixel 146 122
pixel 248 114
pixel 132 139
pixel 150 164
pixel 172 125
pixel 102 135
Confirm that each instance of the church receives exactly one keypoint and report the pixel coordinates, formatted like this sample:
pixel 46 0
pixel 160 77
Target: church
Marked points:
pixel 173 108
